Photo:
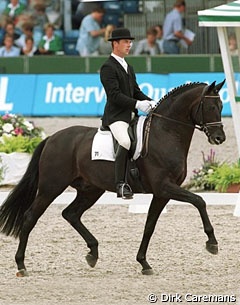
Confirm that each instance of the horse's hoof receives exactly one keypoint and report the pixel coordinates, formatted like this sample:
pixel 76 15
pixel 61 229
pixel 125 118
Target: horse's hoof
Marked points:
pixel 22 273
pixel 147 271
pixel 212 248
pixel 91 260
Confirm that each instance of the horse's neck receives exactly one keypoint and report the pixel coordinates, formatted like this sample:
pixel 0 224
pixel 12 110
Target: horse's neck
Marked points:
pixel 179 107
pixel 173 118
pixel 174 129
pixel 171 132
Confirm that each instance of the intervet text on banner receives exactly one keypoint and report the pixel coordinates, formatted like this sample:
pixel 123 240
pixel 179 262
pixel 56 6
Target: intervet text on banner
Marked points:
pixel 83 94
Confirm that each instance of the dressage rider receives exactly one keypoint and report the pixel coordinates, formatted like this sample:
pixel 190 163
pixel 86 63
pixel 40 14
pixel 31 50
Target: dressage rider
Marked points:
pixel 124 98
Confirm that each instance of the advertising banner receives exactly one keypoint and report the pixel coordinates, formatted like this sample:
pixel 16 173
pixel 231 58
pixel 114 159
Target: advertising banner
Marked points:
pixel 17 94
pixel 79 95
pixel 83 94
pixel 180 78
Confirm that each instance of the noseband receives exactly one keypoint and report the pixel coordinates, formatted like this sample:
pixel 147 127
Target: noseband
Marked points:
pixel 202 126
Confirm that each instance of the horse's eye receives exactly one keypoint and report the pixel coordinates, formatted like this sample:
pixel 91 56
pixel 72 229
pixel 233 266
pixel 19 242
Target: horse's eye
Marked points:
pixel 211 107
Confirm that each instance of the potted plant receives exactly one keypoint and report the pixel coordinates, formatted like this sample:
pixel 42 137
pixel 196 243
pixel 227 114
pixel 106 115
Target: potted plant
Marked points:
pixel 18 139
pixel 199 180
pixel 18 134
pixel 226 177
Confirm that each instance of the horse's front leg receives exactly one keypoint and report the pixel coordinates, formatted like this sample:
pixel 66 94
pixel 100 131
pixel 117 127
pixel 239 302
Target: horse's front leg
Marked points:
pixel 155 209
pixel 175 192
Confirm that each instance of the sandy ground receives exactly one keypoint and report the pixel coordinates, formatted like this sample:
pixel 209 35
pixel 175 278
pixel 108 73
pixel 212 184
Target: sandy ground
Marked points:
pixel 58 273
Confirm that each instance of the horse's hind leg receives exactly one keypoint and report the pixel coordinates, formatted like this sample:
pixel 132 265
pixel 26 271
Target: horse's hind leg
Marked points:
pixel 83 201
pixel 31 217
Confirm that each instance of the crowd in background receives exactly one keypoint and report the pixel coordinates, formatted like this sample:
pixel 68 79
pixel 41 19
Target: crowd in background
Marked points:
pixel 36 27
pixel 29 27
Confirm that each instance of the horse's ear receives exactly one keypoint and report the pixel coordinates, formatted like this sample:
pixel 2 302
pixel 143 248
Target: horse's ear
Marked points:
pixel 209 88
pixel 218 87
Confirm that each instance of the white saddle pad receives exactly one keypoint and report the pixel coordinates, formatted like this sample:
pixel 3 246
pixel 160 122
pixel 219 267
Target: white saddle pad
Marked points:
pixel 102 146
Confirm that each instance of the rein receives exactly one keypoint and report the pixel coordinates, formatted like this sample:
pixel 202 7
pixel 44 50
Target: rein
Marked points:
pixel 202 127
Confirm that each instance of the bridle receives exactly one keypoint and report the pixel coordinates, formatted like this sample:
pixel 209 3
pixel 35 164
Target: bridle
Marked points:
pixel 202 126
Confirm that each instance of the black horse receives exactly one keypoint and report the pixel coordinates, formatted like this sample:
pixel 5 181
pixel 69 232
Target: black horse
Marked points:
pixel 64 159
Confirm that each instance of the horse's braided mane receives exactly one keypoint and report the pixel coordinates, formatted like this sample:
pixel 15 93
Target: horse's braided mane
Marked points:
pixel 179 88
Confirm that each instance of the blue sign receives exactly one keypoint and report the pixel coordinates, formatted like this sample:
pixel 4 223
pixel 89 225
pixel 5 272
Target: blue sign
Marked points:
pixel 177 79
pixel 80 94
pixel 83 94
pixel 17 94
pixel 153 85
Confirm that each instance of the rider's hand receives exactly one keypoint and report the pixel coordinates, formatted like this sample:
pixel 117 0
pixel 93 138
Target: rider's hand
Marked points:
pixel 144 106
pixel 153 104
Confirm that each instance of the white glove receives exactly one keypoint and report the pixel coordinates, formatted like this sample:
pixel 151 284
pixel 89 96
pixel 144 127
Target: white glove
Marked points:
pixel 144 106
pixel 153 104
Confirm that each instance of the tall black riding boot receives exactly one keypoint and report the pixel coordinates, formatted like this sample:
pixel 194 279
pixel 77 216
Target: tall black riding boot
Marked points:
pixel 123 189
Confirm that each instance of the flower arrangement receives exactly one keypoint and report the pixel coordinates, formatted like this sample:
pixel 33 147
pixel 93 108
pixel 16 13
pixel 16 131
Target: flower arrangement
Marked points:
pixel 225 175
pixel 200 179
pixel 18 134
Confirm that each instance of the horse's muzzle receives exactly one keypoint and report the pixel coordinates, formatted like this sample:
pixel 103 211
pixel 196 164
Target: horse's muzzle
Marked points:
pixel 216 136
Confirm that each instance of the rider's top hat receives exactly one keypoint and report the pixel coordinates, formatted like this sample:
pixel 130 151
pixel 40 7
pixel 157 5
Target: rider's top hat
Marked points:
pixel 120 33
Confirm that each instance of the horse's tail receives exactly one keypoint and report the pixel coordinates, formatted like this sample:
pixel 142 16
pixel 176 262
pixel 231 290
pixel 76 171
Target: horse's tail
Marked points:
pixel 21 197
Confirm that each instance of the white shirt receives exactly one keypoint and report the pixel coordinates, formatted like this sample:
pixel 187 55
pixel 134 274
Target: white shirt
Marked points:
pixel 14 51
pixel 121 60
pixel 13 9
pixel 47 42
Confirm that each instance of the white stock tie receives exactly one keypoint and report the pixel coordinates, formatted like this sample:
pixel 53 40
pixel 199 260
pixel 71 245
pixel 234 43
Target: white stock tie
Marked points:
pixel 125 65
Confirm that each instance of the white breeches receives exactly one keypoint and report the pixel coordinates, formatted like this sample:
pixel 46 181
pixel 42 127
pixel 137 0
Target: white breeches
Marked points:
pixel 119 130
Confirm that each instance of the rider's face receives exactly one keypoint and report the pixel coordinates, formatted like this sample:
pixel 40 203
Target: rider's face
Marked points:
pixel 122 47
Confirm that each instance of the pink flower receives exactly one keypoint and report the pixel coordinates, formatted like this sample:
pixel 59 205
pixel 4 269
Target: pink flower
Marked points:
pixel 5 116
pixel 18 131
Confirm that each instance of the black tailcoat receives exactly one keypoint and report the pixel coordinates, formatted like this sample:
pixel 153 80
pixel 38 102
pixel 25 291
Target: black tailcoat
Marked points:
pixel 122 92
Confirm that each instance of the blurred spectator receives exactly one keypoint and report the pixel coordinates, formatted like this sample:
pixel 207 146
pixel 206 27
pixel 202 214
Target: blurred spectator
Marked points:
pixel 31 4
pixel 148 45
pixel 39 16
pixel 173 29
pixel 232 43
pixel 27 31
pixel 9 50
pixel 29 48
pixel 159 29
pixel 90 33
pixel 50 43
pixel 54 13
pixel 14 9
pixel 105 46
pixel 80 10
pixel 10 29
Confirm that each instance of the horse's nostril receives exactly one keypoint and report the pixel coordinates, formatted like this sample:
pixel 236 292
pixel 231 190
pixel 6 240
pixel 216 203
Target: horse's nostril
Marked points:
pixel 219 140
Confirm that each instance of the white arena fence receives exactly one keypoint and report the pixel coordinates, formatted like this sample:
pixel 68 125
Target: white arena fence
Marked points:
pixel 140 203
